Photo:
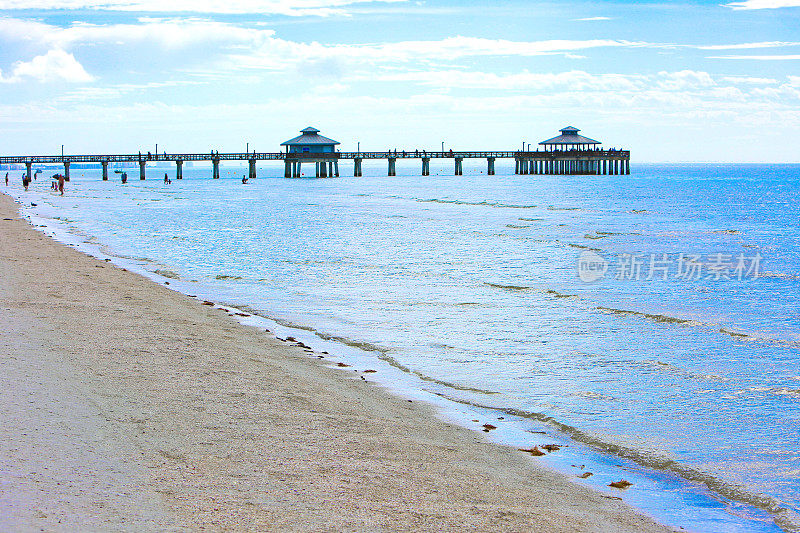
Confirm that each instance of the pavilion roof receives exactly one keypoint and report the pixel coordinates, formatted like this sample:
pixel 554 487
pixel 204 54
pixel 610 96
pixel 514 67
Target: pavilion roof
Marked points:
pixel 570 138
pixel 310 136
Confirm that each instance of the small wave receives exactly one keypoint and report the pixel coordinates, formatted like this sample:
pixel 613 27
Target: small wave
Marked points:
pixel 530 219
pixel 779 275
pixel 785 517
pixel 168 274
pixel 595 396
pixel 661 319
pixel 381 352
pixel 483 203
pixel 735 334
pixel 666 319
pixel 555 208
pixel 516 226
pixel 727 232
pixel 557 294
pixel 676 370
pixel 604 234
pixel 775 391
pixel 226 277
pixel 508 287
pixel 583 247
pixel 640 211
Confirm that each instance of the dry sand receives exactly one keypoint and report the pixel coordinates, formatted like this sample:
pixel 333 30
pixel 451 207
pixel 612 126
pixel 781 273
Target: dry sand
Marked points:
pixel 127 406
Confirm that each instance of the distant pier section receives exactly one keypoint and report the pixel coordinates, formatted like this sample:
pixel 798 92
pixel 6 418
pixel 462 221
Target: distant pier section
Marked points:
pixel 566 154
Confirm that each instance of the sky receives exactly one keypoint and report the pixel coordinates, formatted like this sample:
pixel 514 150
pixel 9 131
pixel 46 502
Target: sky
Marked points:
pixel 673 81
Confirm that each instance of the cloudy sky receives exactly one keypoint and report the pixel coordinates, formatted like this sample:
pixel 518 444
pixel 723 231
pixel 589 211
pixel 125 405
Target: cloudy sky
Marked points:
pixel 673 81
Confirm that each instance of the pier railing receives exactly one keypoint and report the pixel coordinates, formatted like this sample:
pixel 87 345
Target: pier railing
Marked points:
pixel 609 161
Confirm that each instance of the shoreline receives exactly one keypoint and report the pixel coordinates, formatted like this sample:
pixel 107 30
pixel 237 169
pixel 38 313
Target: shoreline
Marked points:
pixel 152 411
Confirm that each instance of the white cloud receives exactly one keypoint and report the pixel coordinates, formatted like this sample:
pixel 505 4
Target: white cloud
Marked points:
pixel 763 4
pixel 55 65
pixel 746 46
pixel 760 58
pixel 749 80
pixel 684 79
pixel 573 80
pixel 278 7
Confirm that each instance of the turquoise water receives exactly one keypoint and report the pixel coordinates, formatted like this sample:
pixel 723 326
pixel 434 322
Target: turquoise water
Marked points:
pixel 471 285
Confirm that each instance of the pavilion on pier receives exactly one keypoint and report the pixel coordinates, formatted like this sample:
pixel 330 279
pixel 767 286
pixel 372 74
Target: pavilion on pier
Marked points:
pixel 570 140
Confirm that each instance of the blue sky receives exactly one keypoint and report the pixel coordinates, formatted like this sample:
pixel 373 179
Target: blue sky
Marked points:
pixel 672 81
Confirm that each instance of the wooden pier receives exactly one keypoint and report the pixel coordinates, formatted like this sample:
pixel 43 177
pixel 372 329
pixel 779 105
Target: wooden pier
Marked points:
pixel 564 162
pixel 566 154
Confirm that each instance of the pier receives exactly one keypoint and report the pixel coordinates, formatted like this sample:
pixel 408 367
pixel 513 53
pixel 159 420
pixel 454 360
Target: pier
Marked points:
pixel 568 154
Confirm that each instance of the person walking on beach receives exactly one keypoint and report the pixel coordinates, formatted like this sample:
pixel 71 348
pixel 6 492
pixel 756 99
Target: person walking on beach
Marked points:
pixel 61 184
pixel 6 179
pixel 24 182
pixel 167 181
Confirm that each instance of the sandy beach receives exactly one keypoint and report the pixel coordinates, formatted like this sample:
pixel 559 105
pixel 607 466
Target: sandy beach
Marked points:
pixel 128 406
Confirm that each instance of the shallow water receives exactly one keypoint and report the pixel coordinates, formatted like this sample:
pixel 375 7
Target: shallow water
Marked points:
pixel 470 284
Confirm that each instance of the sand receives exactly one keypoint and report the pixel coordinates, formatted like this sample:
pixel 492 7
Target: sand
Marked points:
pixel 127 406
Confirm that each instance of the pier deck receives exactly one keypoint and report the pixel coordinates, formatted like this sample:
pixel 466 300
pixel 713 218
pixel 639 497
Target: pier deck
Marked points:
pixel 569 162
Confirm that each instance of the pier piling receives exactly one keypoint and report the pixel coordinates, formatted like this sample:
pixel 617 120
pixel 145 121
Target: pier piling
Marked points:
pixel 28 167
pixel 215 170
pixel 459 166
pixel 252 170
pixel 179 169
pixel 105 170
pixel 142 165
pixel 392 166
pixel 357 167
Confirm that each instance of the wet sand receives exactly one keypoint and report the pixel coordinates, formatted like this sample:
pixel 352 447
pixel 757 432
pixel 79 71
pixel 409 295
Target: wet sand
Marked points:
pixel 127 406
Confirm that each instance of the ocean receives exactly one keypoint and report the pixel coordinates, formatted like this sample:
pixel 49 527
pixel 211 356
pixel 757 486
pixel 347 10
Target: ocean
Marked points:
pixel 646 323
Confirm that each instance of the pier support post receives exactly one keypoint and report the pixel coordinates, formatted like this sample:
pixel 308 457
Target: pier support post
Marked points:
pixel 336 168
pixel 105 170
pixel 215 171
pixel 490 166
pixel 357 167
pixel 516 165
pixel 287 168
pixel 298 169
pixel 66 170
pixel 392 166
pixel 627 166
pixel 28 167
pixel 179 169
pixel 459 166
pixel 142 164
pixel 252 170
pixel 426 166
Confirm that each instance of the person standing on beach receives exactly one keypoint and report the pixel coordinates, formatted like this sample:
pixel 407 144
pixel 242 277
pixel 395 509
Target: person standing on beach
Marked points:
pixel 6 179
pixel 61 184
pixel 24 182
